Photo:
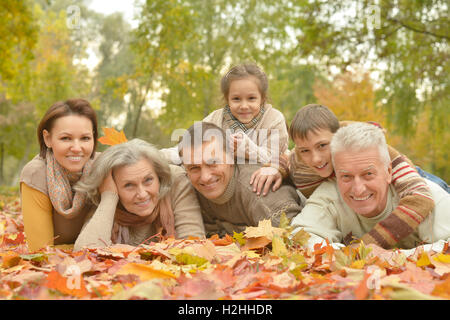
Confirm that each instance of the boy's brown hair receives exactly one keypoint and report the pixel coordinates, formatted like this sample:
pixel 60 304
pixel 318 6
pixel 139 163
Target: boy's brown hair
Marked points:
pixel 312 117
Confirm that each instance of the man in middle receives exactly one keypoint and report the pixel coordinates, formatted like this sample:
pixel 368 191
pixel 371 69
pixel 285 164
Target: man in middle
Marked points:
pixel 223 187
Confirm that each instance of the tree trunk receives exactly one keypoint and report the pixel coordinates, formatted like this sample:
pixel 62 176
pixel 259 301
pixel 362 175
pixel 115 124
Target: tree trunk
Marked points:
pixel 22 163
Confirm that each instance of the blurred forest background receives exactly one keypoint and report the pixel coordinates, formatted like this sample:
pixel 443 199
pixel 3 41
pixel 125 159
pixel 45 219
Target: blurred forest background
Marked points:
pixel 385 61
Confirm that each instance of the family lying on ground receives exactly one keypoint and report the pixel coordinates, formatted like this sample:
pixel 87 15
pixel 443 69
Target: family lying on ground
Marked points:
pixel 341 182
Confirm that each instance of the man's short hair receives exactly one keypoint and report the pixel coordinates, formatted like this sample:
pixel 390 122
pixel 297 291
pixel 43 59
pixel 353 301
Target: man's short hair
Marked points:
pixel 201 132
pixel 311 118
pixel 360 136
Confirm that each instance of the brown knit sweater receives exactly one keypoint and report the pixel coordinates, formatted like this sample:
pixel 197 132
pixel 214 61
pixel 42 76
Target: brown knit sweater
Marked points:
pixel 240 207
pixel 415 204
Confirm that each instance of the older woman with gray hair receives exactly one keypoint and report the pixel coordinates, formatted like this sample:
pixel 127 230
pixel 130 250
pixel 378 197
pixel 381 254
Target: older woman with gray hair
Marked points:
pixel 137 194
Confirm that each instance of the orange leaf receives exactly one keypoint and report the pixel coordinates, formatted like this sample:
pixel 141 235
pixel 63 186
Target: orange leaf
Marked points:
pixel 10 259
pixel 442 289
pixel 361 292
pixel 144 272
pixel 255 243
pixel 73 286
pixel 223 241
pixel 112 137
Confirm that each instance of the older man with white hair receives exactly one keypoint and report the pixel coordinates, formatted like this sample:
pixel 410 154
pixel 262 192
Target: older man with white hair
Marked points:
pixel 360 194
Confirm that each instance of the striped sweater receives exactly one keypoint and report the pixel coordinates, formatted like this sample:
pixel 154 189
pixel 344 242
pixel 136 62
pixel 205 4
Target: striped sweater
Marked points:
pixel 414 206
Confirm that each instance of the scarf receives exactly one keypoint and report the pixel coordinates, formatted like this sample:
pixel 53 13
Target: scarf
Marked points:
pixel 230 121
pixel 162 218
pixel 65 201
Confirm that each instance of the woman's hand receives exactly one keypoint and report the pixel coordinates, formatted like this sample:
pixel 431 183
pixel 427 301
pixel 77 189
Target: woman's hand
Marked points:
pixel 264 177
pixel 108 185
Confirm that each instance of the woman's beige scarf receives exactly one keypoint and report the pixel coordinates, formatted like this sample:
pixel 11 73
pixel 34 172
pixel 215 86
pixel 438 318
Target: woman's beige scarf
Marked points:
pixel 162 218
pixel 65 201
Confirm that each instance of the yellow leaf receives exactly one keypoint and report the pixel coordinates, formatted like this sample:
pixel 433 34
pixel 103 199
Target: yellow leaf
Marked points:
pixel 148 290
pixel 112 137
pixel 301 237
pixel 264 229
pixel 284 221
pixel 251 254
pixel 144 272
pixel 186 258
pixel 239 237
pixel 278 246
pixel 445 258
pixel 12 236
pixel 424 260
pixel 358 264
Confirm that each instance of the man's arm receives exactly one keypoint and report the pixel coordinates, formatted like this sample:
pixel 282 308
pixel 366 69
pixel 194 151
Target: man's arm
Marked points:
pixel 319 219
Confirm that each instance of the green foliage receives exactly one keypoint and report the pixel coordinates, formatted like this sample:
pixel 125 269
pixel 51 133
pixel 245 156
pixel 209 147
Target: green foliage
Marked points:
pixel 18 32
pixel 406 41
pixel 165 74
pixel 191 44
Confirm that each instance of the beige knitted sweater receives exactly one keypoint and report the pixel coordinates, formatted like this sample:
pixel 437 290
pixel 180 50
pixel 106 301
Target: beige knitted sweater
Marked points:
pixel 269 135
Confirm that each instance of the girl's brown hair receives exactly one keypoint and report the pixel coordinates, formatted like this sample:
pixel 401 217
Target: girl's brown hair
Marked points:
pixel 243 71
pixel 60 109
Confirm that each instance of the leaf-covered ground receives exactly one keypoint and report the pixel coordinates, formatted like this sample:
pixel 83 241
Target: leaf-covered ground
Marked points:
pixel 261 263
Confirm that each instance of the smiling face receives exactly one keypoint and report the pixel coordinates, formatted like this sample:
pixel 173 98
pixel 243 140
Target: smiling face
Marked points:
pixel 363 180
pixel 138 187
pixel 244 99
pixel 315 151
pixel 71 140
pixel 209 174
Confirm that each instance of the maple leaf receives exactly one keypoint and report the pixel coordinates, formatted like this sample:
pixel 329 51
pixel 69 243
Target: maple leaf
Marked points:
pixel 255 243
pixel 14 239
pixel 445 258
pixel 284 221
pixel 73 286
pixel 144 272
pixel 442 289
pixel 10 259
pixel 424 260
pixel 264 229
pixel 226 240
pixel 186 258
pixel 146 290
pixel 278 246
pixel 301 237
pixel 239 238
pixel 112 137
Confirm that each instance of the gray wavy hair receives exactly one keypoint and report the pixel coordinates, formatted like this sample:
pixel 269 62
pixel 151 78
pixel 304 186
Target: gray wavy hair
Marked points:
pixel 125 154
pixel 358 137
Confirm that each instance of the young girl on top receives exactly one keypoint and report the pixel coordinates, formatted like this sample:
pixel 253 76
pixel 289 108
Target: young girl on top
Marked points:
pixel 258 130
